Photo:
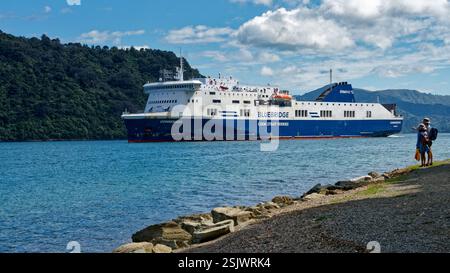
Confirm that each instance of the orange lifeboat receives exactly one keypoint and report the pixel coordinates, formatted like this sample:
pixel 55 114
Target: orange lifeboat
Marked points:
pixel 282 97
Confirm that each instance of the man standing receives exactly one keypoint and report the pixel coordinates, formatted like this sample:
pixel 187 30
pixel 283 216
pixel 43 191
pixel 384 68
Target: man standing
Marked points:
pixel 427 123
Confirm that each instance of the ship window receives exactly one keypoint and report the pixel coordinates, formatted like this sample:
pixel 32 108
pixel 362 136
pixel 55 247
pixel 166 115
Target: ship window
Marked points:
pixel 349 114
pixel 236 102
pixel 246 102
pixel 217 101
pixel 301 113
pixel 369 114
pixel 211 112
pixel 326 113
pixel 245 112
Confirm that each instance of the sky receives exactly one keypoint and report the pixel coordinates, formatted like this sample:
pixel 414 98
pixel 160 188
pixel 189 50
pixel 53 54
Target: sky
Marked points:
pixel 373 44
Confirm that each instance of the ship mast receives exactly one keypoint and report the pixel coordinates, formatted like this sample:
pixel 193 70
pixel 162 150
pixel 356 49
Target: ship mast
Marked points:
pixel 181 76
pixel 331 77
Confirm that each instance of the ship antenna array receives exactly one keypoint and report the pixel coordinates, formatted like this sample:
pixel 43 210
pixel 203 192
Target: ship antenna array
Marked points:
pixel 331 80
pixel 181 67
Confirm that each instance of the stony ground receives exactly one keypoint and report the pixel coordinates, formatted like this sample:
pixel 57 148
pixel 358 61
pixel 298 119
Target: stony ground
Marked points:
pixel 408 214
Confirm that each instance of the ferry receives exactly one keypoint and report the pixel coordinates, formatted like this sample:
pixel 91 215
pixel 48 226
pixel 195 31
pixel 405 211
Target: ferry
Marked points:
pixel 223 109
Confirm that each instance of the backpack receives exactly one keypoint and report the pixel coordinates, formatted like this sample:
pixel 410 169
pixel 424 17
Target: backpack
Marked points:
pixel 433 134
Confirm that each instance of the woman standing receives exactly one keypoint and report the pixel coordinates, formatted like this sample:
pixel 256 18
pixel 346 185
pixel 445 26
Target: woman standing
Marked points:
pixel 422 144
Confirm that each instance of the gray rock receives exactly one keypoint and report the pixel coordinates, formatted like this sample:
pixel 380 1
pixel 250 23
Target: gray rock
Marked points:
pixel 374 174
pixel 270 206
pixel 283 200
pixel 238 215
pixel 162 249
pixel 212 232
pixel 170 231
pixel 348 185
pixel 143 247
pixel 316 189
pixel 364 178
pixel 312 196
pixel 378 179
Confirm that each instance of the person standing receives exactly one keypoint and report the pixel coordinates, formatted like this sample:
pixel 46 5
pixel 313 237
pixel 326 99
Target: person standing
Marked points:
pixel 427 123
pixel 422 144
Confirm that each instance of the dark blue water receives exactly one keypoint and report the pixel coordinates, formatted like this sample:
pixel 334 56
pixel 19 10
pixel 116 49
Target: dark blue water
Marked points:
pixel 99 193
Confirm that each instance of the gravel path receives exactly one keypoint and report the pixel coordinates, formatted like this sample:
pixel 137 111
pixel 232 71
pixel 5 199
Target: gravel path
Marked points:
pixel 412 215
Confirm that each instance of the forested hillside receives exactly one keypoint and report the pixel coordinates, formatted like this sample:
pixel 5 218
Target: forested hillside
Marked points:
pixel 50 90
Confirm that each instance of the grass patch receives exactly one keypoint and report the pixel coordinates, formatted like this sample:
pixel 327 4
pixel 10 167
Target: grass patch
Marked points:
pixel 435 164
pixel 396 180
pixel 372 190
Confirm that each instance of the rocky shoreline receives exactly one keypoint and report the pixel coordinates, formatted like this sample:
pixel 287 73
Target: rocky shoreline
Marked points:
pixel 193 231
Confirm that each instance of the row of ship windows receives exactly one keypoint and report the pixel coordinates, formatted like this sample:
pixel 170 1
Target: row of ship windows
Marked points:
pixel 171 86
pixel 219 101
pixel 329 114
pixel 163 101
pixel 333 104
pixel 233 94
pixel 243 112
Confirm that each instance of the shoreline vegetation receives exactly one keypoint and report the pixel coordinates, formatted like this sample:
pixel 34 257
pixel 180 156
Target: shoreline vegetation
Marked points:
pixel 404 210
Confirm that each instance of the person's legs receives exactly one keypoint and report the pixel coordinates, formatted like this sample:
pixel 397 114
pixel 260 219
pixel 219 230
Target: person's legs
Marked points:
pixel 430 157
pixel 422 158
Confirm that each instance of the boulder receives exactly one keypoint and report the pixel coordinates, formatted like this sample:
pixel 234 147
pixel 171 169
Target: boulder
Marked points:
pixel 312 196
pixel 170 243
pixel 236 214
pixel 349 185
pixel 212 232
pixel 398 172
pixel 143 247
pixel 161 249
pixel 378 179
pixel 269 205
pixel 316 189
pixel 167 231
pixel 283 200
pixel 374 174
pixel 365 178
pixel 197 218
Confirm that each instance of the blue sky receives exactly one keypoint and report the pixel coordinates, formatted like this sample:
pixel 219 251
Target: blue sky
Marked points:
pixel 374 44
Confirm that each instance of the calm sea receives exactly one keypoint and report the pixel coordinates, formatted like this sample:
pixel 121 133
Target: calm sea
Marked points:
pixel 99 193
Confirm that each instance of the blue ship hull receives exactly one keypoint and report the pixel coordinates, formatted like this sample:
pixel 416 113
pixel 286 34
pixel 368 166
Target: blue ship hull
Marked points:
pixel 159 130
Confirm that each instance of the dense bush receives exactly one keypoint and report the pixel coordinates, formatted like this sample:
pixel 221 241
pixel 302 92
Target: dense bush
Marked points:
pixel 50 90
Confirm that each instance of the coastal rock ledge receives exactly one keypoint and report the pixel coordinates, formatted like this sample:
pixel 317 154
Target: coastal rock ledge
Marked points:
pixel 185 231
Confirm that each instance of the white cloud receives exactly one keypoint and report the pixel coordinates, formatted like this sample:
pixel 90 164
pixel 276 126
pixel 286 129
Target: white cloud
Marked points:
pixel 47 9
pixel 101 37
pixel 380 8
pixel 266 71
pixel 268 57
pixel 355 38
pixel 73 2
pixel 256 2
pixel 335 25
pixel 294 29
pixel 242 56
pixel 198 34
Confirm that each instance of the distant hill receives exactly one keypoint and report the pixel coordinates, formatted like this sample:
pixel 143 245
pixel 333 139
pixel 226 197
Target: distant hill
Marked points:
pixel 50 90
pixel 412 104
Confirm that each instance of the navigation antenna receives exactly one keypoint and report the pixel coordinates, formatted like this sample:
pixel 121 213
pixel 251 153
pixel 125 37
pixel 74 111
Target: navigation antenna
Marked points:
pixel 331 77
pixel 181 67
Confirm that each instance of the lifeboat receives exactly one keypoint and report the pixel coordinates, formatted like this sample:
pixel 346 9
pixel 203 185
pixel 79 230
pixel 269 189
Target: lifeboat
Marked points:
pixel 282 97
pixel 223 88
